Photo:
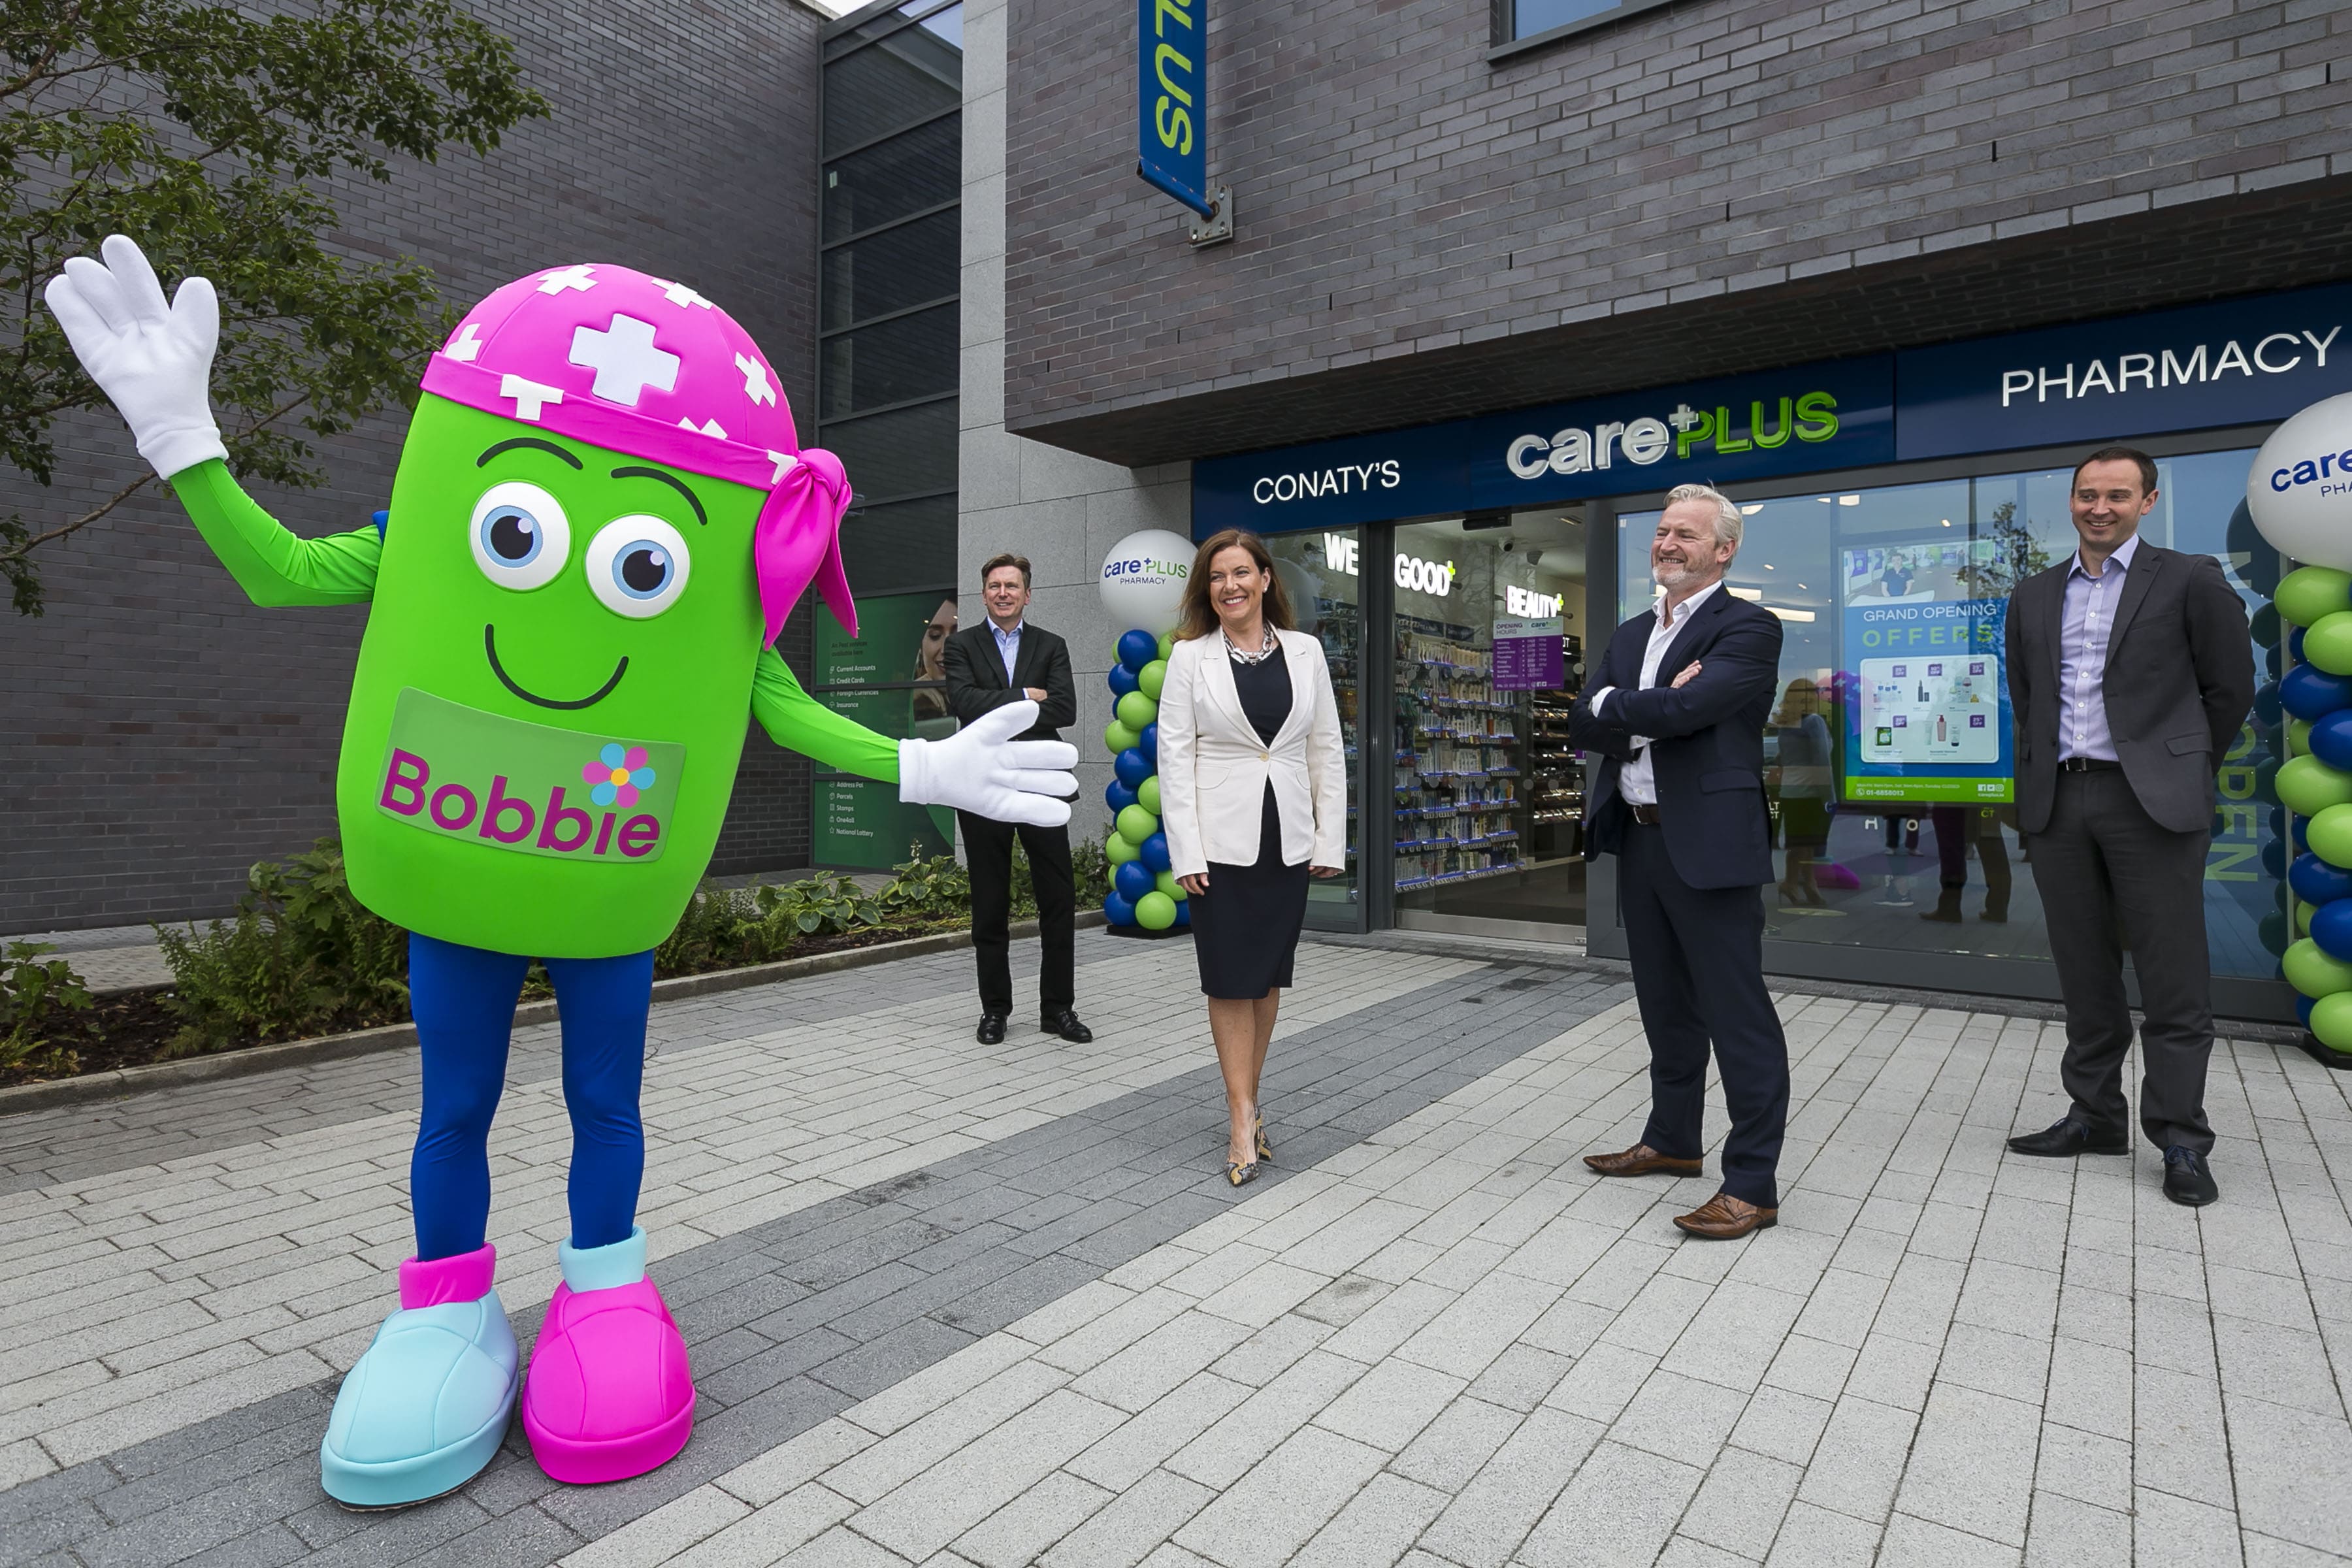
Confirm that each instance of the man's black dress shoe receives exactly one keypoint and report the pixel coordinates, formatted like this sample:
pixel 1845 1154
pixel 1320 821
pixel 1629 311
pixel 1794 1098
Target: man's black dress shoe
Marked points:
pixel 2066 1138
pixel 2187 1180
pixel 1064 1021
pixel 991 1029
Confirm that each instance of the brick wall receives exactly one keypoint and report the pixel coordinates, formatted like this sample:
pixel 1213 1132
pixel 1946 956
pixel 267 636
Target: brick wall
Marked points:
pixel 161 733
pixel 1713 187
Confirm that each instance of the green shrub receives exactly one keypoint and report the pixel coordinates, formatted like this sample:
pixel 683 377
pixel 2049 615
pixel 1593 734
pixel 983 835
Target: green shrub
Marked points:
pixel 302 957
pixel 816 906
pixel 710 934
pixel 32 994
pixel 933 888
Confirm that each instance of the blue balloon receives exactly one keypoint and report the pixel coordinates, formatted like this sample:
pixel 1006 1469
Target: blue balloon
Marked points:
pixel 2295 645
pixel 1138 649
pixel 2331 739
pixel 2302 1006
pixel 1149 744
pixel 2274 860
pixel 2310 693
pixel 1132 880
pixel 2302 837
pixel 2273 659
pixel 1183 911
pixel 1118 909
pixel 1132 767
pixel 2315 881
pixel 1122 679
pixel 2331 927
pixel 1120 796
pixel 1155 852
pixel 2267 705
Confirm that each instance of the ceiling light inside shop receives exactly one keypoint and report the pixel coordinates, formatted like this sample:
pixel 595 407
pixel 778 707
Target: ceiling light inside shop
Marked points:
pixel 1947 522
pixel 1751 509
pixel 1750 594
pixel 1849 500
pixel 1790 614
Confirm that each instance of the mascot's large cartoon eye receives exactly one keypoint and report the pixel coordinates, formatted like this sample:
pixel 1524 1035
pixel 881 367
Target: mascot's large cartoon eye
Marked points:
pixel 519 535
pixel 638 566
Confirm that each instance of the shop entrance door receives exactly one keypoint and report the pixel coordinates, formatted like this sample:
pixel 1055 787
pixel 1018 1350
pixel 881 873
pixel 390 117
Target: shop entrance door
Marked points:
pixel 1486 796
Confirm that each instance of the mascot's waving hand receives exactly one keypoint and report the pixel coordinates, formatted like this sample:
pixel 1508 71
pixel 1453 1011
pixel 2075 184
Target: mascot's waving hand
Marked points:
pixel 602 517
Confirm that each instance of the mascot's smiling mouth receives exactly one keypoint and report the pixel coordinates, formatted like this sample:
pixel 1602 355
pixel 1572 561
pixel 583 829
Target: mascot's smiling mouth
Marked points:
pixel 491 646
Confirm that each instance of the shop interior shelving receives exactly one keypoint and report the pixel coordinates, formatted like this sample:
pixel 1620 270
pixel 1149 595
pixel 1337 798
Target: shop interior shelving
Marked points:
pixel 1460 800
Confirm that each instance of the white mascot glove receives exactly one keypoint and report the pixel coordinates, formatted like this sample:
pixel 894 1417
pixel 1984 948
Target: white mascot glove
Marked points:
pixel 153 359
pixel 984 770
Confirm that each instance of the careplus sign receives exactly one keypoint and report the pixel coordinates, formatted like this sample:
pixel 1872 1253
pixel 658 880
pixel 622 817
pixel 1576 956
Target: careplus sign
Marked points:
pixel 580 276
pixel 625 359
pixel 679 294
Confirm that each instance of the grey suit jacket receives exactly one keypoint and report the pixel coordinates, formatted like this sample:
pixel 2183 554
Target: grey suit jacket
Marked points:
pixel 2179 678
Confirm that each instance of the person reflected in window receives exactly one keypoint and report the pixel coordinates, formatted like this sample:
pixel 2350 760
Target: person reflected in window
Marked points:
pixel 1254 799
pixel 1801 743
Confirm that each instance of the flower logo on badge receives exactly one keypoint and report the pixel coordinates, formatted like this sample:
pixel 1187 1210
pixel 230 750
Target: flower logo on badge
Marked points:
pixel 618 773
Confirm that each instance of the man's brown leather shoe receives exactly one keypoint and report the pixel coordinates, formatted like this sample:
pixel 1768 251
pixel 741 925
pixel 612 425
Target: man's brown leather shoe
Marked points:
pixel 1725 1218
pixel 1641 1160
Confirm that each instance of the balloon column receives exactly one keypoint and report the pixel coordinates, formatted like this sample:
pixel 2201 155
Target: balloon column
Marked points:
pixel 1143 588
pixel 2305 513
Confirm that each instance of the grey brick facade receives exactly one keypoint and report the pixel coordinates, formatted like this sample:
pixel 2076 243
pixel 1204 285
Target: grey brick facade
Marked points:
pixel 1708 187
pixel 162 734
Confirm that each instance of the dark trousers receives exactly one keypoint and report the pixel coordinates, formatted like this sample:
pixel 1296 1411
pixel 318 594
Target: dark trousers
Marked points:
pixel 2110 878
pixel 988 845
pixel 1698 974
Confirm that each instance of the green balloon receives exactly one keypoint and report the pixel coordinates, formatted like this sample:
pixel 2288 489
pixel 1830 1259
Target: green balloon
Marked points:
pixel 2328 642
pixel 2309 969
pixel 2331 1022
pixel 1136 711
pixel 1167 643
pixel 1136 824
pixel 2307 786
pixel 2298 737
pixel 2330 836
pixel 2302 918
pixel 1148 795
pixel 1119 738
pixel 1151 677
pixel 2308 594
pixel 2265 627
pixel 1171 886
pixel 1157 912
pixel 1118 851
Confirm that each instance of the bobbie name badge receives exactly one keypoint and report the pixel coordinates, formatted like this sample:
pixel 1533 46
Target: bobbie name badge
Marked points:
pixel 506 783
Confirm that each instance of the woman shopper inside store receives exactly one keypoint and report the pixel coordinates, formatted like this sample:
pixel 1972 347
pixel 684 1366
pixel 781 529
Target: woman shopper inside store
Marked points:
pixel 1253 790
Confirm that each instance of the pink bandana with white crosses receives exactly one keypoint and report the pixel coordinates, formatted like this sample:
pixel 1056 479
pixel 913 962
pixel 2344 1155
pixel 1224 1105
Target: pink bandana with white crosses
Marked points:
pixel 638 364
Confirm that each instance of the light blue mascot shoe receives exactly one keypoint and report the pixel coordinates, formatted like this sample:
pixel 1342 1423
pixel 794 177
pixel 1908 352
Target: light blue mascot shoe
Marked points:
pixel 423 1411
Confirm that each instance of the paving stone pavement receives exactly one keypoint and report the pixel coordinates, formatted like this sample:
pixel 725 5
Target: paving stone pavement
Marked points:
pixel 1034 1328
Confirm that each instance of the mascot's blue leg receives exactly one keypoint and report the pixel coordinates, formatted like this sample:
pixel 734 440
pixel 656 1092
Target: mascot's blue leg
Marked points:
pixel 426 1406
pixel 610 1395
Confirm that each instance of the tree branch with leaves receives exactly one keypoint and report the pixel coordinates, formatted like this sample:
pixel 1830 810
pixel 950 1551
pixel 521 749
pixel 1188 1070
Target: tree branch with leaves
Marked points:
pixel 207 134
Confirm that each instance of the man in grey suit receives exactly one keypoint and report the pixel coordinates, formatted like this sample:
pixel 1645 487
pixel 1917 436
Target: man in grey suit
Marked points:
pixel 2129 674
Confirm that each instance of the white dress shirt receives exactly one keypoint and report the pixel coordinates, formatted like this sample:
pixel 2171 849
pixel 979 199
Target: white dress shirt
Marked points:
pixel 2087 624
pixel 1008 646
pixel 1637 780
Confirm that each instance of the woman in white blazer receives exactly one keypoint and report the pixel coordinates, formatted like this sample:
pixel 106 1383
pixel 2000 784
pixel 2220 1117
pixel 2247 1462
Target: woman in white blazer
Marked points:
pixel 1253 797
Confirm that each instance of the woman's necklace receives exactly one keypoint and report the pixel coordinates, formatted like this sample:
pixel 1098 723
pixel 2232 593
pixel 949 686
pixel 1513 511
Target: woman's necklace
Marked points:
pixel 1233 651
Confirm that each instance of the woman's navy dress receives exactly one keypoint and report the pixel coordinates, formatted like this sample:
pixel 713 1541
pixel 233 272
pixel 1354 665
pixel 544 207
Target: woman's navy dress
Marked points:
pixel 1246 927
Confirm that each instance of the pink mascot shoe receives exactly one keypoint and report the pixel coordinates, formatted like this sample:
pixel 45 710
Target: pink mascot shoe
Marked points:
pixel 609 1395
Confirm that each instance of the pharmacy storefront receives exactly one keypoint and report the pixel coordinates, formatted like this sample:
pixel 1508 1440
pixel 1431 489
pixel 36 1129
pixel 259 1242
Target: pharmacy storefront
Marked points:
pixel 1459 572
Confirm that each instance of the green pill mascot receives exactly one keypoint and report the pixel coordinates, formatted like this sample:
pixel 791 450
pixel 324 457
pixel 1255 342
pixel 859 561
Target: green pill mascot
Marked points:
pixel 601 518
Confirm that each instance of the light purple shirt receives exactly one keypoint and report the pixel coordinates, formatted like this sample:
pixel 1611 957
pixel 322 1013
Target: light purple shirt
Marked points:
pixel 2089 622
pixel 1008 646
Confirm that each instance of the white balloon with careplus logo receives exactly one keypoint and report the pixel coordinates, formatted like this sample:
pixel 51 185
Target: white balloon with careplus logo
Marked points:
pixel 2299 490
pixel 1143 580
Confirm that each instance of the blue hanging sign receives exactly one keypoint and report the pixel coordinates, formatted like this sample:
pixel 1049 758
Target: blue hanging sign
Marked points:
pixel 1172 98
pixel 1420 472
pixel 2240 362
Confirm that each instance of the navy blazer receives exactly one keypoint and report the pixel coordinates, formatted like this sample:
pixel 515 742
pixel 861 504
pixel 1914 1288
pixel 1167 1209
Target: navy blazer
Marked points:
pixel 1706 740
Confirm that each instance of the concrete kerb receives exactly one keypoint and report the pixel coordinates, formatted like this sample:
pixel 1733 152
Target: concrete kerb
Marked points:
pixel 123 1082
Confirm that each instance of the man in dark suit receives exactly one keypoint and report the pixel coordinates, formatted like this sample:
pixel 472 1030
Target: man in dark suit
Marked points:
pixel 2130 675
pixel 1003 660
pixel 1677 713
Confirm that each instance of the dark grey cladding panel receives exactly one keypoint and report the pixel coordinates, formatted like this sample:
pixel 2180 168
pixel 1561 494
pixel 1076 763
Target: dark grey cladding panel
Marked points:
pixel 1710 187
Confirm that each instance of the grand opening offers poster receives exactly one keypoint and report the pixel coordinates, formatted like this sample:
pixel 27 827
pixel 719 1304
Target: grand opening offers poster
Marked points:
pixel 1928 706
